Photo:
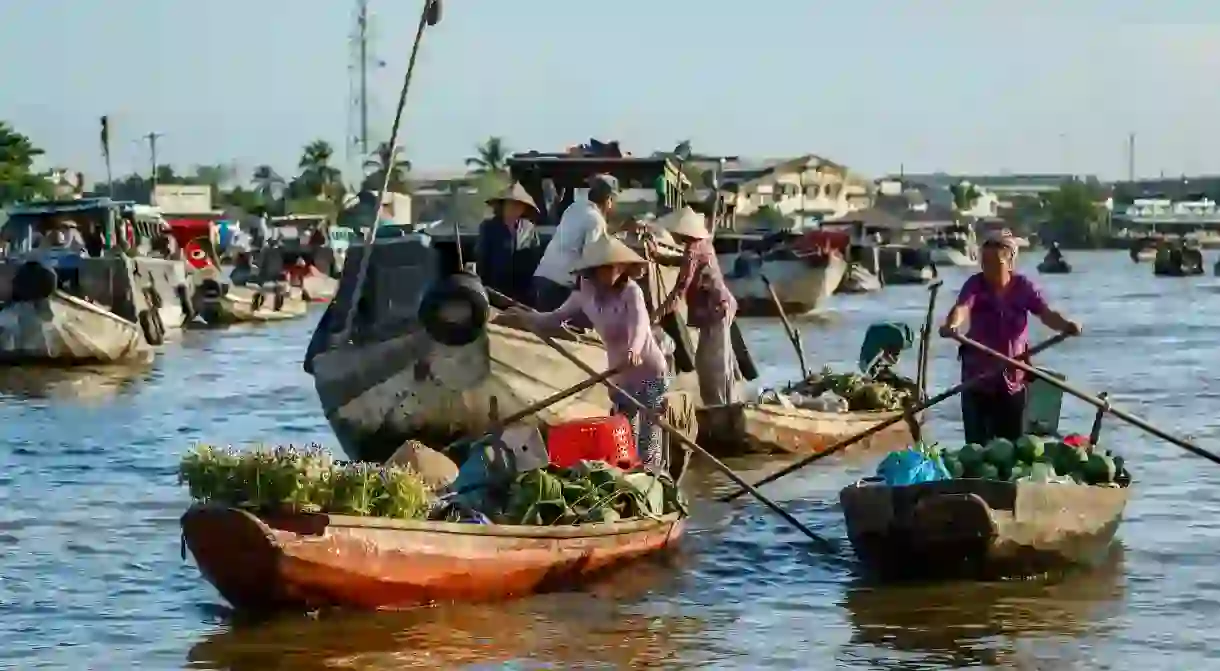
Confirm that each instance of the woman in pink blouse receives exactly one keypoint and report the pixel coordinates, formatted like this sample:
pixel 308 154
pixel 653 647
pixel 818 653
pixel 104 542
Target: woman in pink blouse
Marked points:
pixel 611 300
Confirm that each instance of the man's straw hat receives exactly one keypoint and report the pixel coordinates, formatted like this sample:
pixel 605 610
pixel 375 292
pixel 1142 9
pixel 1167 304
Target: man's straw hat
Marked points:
pixel 685 222
pixel 606 251
pixel 516 193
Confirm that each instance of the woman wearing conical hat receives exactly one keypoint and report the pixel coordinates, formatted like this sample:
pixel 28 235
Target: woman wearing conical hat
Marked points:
pixel 508 247
pixel 610 299
pixel 710 307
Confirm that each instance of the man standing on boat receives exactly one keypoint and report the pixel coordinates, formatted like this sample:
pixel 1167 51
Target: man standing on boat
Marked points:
pixel 710 306
pixel 508 245
pixel 997 302
pixel 582 223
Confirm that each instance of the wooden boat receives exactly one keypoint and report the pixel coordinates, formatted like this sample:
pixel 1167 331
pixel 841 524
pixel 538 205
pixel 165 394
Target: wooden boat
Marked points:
pixel 1054 266
pixel 311 561
pixel 748 428
pixel 112 301
pixel 66 330
pixel 858 280
pixel 979 528
pixel 803 269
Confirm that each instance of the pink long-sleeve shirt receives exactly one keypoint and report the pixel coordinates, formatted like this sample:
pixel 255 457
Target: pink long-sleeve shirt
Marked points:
pixel 620 318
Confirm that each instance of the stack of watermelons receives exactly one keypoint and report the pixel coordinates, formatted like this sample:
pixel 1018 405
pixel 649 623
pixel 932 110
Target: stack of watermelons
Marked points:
pixel 1032 457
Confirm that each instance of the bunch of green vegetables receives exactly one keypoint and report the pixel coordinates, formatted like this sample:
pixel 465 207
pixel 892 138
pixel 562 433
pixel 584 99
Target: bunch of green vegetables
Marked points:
pixel 301 479
pixel 1032 457
pixel 861 392
pixel 589 492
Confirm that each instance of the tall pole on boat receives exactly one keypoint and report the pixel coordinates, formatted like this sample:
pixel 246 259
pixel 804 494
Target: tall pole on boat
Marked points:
pixel 362 27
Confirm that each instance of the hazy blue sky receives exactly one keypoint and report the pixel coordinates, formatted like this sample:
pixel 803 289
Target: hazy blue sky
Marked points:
pixel 970 85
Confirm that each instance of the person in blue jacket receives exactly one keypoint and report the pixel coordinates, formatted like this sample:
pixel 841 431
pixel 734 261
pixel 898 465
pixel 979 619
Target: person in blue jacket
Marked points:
pixel 509 248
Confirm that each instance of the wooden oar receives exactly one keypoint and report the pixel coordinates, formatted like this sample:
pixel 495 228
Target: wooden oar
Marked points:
pixel 675 433
pixel 925 341
pixel 881 426
pixel 1099 403
pixel 542 405
pixel 794 336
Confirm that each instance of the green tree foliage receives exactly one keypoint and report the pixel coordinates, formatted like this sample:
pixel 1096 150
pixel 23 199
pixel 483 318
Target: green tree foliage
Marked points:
pixel 318 177
pixel 18 181
pixel 1074 216
pixel 490 157
pixel 386 158
pixel 965 195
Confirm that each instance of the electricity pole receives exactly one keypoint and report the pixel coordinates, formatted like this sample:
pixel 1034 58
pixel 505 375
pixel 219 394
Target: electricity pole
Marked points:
pixel 1131 157
pixel 152 150
pixel 362 23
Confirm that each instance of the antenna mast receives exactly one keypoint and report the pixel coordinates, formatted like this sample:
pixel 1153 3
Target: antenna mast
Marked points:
pixel 358 89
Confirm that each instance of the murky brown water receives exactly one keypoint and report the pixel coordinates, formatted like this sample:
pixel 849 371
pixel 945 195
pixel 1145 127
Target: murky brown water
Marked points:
pixel 91 578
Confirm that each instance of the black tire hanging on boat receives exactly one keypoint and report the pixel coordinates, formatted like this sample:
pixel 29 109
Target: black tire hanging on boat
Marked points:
pixel 256 302
pixel 33 282
pixel 150 324
pixel 745 362
pixel 453 294
pixel 154 298
pixel 684 352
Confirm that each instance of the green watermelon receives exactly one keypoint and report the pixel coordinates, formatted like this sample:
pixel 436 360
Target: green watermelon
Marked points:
pixel 1000 453
pixel 1030 449
pixel 989 472
pixel 1099 470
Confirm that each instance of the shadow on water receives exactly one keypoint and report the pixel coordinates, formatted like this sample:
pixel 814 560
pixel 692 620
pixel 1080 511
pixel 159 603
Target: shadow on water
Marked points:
pixel 592 629
pixel 82 383
pixel 972 624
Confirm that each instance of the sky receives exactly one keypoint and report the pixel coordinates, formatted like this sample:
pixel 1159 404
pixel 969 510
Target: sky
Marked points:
pixel 969 86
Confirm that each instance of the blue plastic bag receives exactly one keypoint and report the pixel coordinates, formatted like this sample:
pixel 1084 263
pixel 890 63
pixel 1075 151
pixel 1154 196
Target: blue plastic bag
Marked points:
pixel 911 467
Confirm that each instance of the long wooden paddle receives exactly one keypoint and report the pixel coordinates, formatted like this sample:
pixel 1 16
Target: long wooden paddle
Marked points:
pixel 678 435
pixel 794 336
pixel 882 425
pixel 1099 403
pixel 925 341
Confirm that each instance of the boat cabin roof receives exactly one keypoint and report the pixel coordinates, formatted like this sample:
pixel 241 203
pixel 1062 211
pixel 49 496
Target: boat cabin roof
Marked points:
pixel 48 207
pixel 573 171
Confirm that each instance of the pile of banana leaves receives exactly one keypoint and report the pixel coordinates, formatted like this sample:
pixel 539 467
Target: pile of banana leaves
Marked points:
pixel 589 492
pixel 885 391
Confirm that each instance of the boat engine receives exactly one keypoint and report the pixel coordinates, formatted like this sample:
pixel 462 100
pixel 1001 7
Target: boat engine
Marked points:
pixel 455 310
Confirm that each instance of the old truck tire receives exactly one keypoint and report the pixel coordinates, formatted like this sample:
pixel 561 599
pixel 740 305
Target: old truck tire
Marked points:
pixel 150 324
pixel 33 282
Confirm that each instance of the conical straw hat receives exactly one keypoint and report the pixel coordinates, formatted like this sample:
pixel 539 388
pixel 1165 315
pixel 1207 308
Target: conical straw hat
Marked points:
pixel 606 251
pixel 514 192
pixel 685 222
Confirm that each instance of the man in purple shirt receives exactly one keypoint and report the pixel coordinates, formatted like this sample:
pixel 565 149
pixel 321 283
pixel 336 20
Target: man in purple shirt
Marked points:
pixel 997 302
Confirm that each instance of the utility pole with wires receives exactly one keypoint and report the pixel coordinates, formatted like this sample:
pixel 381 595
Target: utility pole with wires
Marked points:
pixel 152 151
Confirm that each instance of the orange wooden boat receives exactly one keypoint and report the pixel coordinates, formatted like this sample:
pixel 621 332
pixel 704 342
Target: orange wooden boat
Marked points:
pixel 308 561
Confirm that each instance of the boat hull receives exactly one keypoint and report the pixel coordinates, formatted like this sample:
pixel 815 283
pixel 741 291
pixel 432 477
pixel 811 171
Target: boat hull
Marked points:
pixel 980 529
pixel 952 256
pixel 218 303
pixel 767 429
pixel 858 280
pixel 64 330
pixel 311 561
pixel 801 286
pixel 1049 268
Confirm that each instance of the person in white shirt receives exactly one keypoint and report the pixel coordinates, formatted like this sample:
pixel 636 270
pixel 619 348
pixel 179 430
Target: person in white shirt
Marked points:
pixel 581 224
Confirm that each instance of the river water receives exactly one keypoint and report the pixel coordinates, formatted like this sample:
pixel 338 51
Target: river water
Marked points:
pixel 91 576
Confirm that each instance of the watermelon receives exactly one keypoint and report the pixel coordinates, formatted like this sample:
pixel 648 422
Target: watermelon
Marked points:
pixel 1099 470
pixel 1000 453
pixel 1030 449
pixel 970 456
pixel 989 472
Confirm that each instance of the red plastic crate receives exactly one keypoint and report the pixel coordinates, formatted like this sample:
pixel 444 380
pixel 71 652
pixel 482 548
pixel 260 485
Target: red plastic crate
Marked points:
pixel 607 439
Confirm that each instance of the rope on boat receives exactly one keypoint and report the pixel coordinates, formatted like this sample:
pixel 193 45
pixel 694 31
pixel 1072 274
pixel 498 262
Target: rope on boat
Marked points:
pixel 429 16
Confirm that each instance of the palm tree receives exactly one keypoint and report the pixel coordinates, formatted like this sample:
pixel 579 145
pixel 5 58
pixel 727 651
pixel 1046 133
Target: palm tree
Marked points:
pixel 18 181
pixel 491 157
pixel 964 195
pixel 268 183
pixel 387 159
pixel 318 177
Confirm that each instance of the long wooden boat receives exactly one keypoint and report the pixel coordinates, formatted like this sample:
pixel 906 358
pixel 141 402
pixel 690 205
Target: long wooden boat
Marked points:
pixel 62 329
pixel 751 428
pixel 218 302
pixel 394 381
pixel 980 528
pixel 311 561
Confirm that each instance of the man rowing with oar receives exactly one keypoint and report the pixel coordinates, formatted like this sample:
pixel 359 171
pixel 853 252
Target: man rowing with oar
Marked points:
pixel 998 302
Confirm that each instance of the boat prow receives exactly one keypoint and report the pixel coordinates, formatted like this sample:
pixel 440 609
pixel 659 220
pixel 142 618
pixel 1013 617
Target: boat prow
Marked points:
pixel 980 528
pixel 62 329
pixel 742 428
pixel 310 561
